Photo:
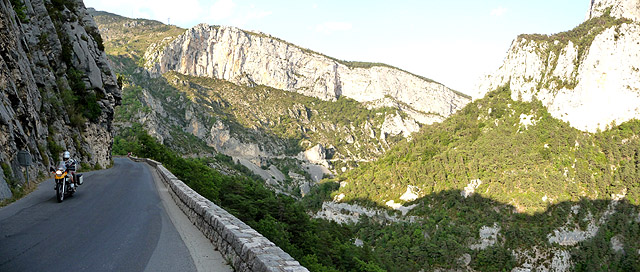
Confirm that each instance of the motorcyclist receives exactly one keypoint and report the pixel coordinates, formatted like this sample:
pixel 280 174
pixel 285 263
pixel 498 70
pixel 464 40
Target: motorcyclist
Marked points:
pixel 70 164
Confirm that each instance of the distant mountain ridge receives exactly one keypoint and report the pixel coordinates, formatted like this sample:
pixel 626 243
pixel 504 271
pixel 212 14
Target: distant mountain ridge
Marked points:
pixel 248 58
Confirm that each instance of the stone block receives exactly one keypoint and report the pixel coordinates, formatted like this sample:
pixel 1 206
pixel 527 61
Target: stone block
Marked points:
pixel 295 268
pixel 248 252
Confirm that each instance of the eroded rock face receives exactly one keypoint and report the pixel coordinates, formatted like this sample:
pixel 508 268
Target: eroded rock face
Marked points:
pixel 255 58
pixel 488 237
pixel 591 87
pixel 350 213
pixel 629 9
pixel 5 192
pixel 394 125
pixel 471 188
pixel 37 53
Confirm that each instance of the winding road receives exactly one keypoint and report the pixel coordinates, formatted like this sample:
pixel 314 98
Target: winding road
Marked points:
pixel 120 219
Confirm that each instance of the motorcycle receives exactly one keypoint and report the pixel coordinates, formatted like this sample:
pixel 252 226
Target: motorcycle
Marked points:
pixel 64 187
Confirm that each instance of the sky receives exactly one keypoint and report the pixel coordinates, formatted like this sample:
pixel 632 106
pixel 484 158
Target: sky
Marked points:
pixel 453 42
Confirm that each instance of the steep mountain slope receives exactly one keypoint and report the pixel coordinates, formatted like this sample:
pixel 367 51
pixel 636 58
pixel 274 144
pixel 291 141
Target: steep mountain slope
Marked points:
pixel 58 90
pixel 588 76
pixel 510 151
pixel 499 185
pixel 288 138
pixel 256 58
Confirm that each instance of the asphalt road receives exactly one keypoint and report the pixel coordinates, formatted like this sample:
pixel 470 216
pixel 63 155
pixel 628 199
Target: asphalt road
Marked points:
pixel 119 220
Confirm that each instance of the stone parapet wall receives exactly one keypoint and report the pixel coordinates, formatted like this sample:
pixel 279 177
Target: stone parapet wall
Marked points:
pixel 245 248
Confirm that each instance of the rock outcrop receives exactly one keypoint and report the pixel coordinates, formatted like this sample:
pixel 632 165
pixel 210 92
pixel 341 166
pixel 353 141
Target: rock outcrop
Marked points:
pixel 57 90
pixel 629 9
pixel 248 58
pixel 589 76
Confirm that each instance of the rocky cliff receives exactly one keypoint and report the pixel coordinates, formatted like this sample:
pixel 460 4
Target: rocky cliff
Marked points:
pixel 249 58
pixel 57 88
pixel 288 114
pixel 588 76
pixel 629 9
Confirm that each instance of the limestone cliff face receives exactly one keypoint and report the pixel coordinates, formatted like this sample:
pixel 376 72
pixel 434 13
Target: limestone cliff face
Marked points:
pixel 47 53
pixel 255 58
pixel 589 76
pixel 629 9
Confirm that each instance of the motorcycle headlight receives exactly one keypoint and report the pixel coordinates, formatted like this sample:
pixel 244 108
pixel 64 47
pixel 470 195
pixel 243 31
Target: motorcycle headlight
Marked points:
pixel 59 172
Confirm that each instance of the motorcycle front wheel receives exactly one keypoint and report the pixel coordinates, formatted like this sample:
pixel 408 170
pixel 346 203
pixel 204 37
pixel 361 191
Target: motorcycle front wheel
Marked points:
pixel 60 191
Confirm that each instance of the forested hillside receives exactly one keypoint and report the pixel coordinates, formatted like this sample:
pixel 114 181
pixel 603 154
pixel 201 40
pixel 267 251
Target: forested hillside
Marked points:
pixel 502 184
pixel 521 155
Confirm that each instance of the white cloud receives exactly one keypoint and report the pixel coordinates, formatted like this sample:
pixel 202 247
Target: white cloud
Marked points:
pixel 499 11
pixel 330 27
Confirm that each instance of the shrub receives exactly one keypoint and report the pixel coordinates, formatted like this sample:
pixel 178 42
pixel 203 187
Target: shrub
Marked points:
pixel 54 148
pixel 19 8
pixel 95 34
pixel 60 5
pixel 84 101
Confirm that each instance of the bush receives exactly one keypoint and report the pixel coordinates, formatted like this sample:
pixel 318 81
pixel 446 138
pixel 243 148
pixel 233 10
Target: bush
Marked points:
pixel 60 5
pixel 6 170
pixel 494 258
pixel 80 100
pixel 95 34
pixel 54 149
pixel 20 8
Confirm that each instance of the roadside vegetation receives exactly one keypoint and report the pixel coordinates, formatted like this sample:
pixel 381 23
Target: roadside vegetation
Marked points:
pixel 18 189
pixel 319 245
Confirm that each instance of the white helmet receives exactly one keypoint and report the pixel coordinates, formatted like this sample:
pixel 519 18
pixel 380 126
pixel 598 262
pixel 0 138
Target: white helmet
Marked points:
pixel 66 155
